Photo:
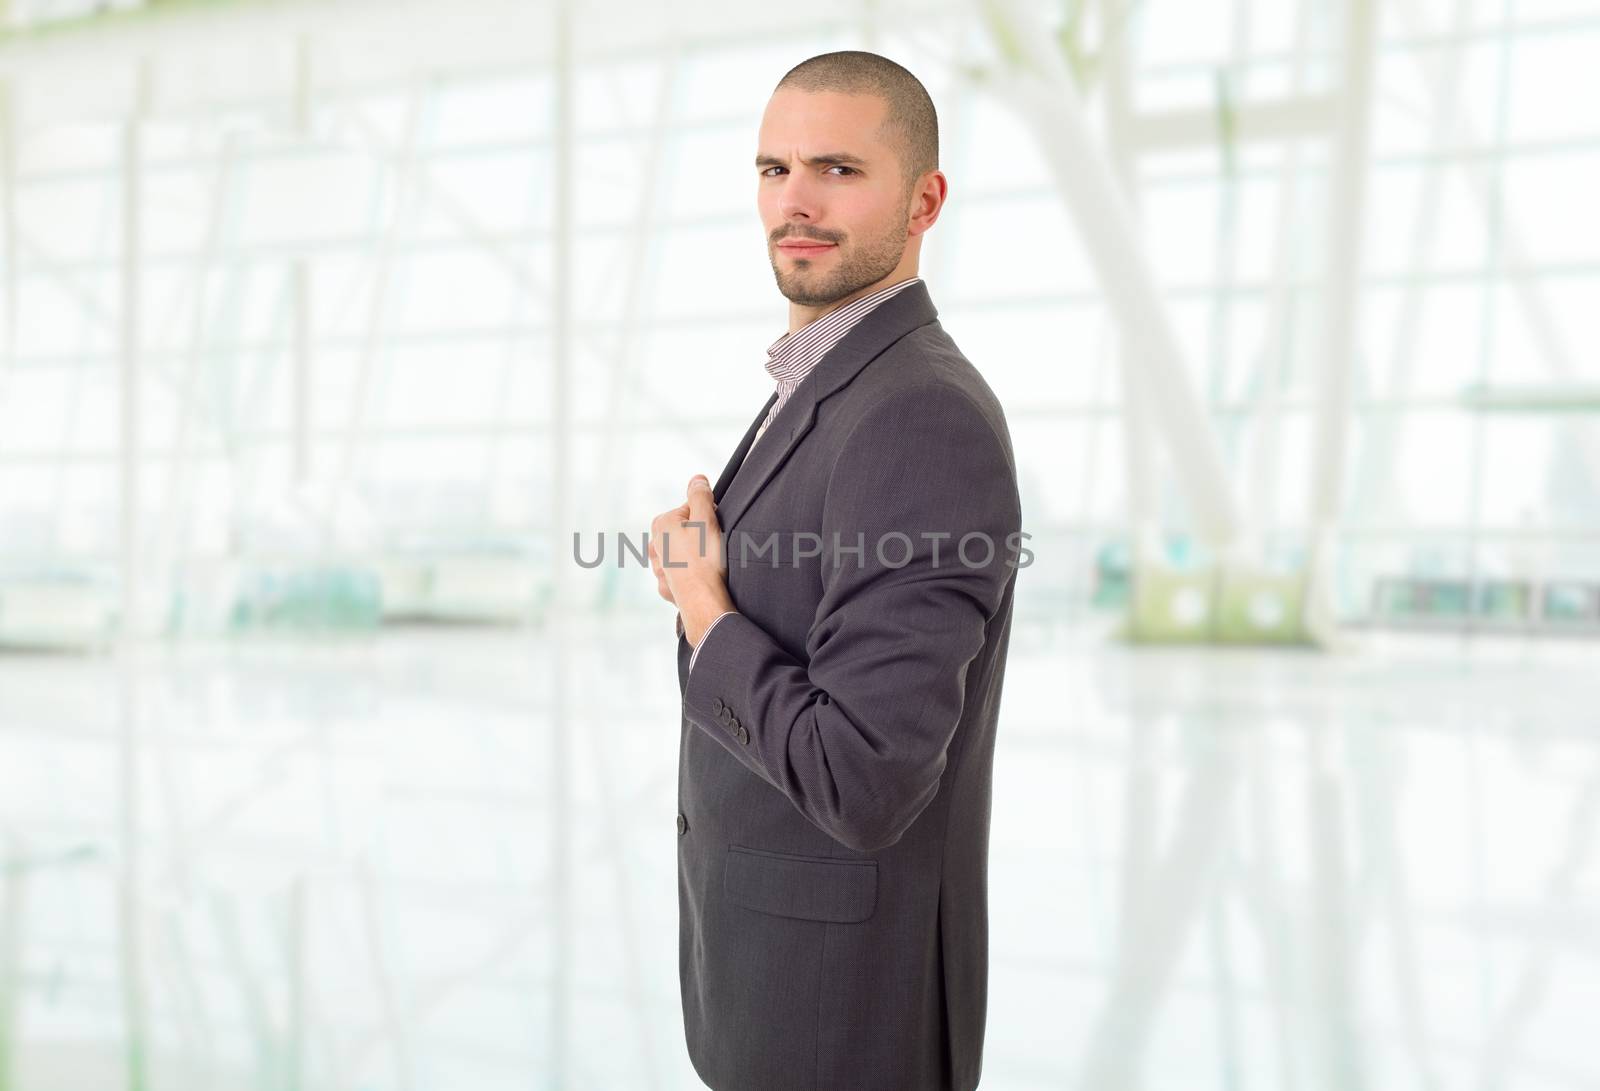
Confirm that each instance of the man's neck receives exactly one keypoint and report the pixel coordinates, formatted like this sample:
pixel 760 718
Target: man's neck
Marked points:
pixel 803 315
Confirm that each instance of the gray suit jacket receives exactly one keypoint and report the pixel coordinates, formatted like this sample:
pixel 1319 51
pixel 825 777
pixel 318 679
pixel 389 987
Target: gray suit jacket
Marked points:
pixel 838 731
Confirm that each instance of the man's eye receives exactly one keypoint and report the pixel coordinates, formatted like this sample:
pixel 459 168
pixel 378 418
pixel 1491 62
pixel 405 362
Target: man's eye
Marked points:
pixel 841 166
pixel 764 173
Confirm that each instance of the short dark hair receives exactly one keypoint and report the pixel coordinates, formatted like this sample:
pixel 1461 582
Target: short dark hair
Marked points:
pixel 912 124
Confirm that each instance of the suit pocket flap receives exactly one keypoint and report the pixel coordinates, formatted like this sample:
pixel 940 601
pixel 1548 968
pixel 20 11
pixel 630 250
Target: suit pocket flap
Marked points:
pixel 811 888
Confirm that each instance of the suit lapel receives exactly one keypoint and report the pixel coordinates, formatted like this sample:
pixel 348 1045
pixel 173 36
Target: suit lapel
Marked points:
pixel 744 445
pixel 883 326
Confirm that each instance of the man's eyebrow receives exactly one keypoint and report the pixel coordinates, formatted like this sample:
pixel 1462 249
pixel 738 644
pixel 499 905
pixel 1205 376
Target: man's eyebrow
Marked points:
pixel 827 159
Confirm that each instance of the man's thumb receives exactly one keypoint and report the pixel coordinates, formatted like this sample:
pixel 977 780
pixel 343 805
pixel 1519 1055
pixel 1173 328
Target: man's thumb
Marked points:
pixel 700 493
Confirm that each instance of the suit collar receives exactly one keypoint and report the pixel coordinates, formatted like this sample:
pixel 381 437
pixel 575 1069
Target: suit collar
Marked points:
pixel 742 481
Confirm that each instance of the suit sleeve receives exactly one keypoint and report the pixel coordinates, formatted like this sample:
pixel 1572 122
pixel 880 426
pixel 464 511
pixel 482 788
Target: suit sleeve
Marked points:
pixel 696 652
pixel 856 735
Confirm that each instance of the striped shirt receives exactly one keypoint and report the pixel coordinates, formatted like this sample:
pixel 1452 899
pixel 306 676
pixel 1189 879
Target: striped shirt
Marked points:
pixel 791 358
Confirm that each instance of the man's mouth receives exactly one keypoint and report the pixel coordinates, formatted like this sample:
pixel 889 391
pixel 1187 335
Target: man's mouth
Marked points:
pixel 806 249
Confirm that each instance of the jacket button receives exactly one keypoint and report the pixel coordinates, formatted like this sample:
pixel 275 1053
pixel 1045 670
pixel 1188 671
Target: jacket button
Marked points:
pixel 683 825
pixel 744 736
pixel 733 724
pixel 716 706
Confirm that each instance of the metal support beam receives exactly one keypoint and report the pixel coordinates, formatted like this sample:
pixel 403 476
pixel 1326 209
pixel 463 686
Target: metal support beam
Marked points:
pixel 9 311
pixel 384 260
pixel 1455 128
pixel 129 307
pixel 1038 84
pixel 300 415
pixel 1341 308
pixel 1272 121
pixel 130 903
pixel 559 618
pixel 1138 433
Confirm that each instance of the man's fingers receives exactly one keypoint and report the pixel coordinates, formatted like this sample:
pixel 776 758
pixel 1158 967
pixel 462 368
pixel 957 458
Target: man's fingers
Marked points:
pixel 669 535
pixel 664 523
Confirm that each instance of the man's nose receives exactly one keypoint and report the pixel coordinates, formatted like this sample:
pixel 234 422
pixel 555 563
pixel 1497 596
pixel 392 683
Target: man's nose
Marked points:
pixel 798 200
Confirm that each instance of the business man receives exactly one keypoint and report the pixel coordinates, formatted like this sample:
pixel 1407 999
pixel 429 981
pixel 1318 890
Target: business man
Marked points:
pixel 842 634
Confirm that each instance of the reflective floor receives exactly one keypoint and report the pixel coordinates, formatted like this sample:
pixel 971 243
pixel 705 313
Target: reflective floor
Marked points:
pixel 373 864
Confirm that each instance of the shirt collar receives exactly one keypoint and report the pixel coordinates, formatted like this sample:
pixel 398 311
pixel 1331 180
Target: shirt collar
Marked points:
pixel 792 356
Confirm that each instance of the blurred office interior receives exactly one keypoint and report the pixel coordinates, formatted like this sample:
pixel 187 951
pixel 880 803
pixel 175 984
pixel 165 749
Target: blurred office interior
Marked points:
pixel 325 326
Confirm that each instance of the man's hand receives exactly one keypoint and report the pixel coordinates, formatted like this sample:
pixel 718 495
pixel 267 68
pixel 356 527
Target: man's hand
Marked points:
pixel 686 556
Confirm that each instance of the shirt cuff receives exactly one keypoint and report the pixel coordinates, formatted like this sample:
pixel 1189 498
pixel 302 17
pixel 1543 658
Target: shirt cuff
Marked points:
pixel 705 634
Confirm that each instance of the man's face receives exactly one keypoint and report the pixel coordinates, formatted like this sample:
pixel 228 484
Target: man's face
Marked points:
pixel 831 196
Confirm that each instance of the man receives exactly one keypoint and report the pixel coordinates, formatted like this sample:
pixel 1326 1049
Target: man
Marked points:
pixel 842 635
